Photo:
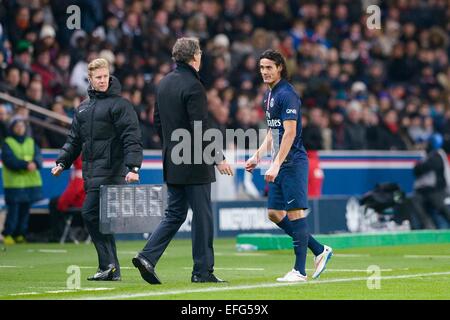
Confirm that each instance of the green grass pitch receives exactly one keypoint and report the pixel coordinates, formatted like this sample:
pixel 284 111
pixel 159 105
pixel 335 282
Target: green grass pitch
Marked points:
pixel 40 271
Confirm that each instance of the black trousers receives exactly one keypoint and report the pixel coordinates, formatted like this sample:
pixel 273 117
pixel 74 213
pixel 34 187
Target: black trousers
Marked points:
pixel 105 244
pixel 198 197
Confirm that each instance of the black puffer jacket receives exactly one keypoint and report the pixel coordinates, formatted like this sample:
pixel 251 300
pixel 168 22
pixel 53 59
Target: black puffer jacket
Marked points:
pixel 106 130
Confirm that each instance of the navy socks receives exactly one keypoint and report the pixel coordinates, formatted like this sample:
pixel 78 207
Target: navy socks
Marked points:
pixel 313 244
pixel 300 241
pixel 285 224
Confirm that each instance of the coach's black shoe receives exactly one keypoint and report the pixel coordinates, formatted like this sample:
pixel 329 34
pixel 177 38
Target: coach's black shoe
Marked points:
pixel 209 278
pixel 109 274
pixel 146 269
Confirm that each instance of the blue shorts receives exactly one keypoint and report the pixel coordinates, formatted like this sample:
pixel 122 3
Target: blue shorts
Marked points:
pixel 290 189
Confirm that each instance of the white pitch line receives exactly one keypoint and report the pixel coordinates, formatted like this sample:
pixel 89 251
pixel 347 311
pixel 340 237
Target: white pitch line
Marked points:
pixel 426 256
pixel 258 286
pixel 360 270
pixel 9 267
pixel 60 291
pixel 328 270
pixel 52 250
pixel 23 293
pixel 96 289
pixel 48 250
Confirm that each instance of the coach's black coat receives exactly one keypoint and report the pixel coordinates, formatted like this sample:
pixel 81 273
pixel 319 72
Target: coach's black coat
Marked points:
pixel 106 130
pixel 181 100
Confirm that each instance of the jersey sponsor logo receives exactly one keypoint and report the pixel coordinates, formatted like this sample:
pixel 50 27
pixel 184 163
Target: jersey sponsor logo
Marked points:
pixel 274 122
pixel 293 111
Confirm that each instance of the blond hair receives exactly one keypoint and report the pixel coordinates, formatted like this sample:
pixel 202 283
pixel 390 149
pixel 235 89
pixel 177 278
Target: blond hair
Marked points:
pixel 97 64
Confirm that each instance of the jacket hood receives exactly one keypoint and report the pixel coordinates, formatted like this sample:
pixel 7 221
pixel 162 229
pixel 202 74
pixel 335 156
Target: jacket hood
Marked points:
pixel 114 89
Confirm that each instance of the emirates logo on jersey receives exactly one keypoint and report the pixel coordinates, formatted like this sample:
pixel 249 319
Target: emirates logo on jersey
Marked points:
pixel 274 122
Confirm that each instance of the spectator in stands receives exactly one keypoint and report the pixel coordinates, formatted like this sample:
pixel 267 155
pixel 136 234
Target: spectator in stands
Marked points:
pixel 4 118
pixel 79 76
pixel 47 41
pixel 35 95
pixel 62 73
pixel 312 133
pixel 56 139
pixel 72 197
pixel 338 128
pixel 355 132
pixel 24 55
pixel 21 180
pixel 44 68
pixel 18 25
pixel 12 81
pixel 389 133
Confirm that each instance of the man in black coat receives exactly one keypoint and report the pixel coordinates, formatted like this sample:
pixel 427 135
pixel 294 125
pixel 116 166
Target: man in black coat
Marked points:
pixel 105 129
pixel 181 106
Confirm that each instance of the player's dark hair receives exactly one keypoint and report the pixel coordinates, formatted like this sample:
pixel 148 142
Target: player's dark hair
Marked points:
pixel 276 57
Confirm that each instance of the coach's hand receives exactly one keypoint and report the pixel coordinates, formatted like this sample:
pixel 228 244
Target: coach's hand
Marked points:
pixel 132 177
pixel 272 173
pixel 56 171
pixel 225 168
pixel 251 163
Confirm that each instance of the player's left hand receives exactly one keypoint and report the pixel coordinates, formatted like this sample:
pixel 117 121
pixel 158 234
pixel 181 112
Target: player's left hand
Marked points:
pixel 132 177
pixel 272 173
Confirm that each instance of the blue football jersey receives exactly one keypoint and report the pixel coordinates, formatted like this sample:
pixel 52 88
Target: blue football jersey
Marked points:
pixel 283 103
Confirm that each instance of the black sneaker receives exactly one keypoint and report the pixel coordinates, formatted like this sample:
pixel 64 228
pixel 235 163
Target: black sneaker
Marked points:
pixel 105 275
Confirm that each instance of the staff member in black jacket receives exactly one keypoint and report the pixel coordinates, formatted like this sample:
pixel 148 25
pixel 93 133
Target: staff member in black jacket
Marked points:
pixel 181 105
pixel 106 130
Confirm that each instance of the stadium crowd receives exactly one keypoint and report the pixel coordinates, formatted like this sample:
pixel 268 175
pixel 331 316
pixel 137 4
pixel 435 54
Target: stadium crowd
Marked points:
pixel 384 89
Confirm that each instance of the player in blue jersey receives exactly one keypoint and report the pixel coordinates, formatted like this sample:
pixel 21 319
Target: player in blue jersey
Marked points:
pixel 288 172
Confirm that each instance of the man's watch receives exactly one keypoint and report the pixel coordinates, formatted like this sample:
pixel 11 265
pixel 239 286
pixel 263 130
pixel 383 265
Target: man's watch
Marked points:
pixel 134 170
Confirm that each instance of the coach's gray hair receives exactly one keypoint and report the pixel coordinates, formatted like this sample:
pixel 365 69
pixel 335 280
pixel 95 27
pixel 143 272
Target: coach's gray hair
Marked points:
pixel 184 49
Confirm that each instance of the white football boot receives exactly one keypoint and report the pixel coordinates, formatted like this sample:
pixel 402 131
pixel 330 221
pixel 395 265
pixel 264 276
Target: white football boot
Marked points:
pixel 321 261
pixel 293 276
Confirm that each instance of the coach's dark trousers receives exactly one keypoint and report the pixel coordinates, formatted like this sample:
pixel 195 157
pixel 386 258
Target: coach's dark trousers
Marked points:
pixel 180 197
pixel 104 243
